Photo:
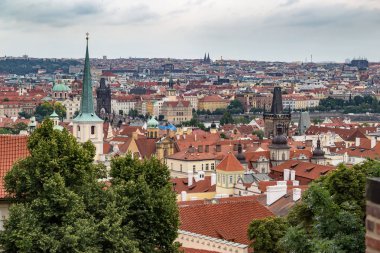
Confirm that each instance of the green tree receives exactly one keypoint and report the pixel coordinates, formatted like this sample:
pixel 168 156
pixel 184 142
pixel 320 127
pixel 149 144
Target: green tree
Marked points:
pixel 145 186
pixel 19 127
pixel 24 115
pixel 259 133
pixel 226 118
pixel 265 234
pixel 330 217
pixel 45 109
pixel 59 205
pixel 236 107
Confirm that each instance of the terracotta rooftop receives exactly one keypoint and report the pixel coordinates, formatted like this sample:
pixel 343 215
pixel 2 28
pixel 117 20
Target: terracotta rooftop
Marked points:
pixel 306 170
pixel 181 184
pixel 12 148
pixel 225 220
pixel 230 163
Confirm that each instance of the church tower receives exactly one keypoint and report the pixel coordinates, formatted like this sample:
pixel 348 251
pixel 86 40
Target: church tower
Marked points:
pixel 279 149
pixel 276 116
pixel 171 93
pixel 318 154
pixel 103 98
pixel 87 125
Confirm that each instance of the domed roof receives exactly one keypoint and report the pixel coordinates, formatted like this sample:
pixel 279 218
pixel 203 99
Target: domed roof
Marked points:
pixel 153 123
pixel 280 140
pixel 318 152
pixel 60 87
pixel 240 156
pixel 54 115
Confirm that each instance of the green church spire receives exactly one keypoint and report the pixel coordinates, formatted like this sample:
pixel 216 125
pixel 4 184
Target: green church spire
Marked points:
pixel 87 112
pixel 87 103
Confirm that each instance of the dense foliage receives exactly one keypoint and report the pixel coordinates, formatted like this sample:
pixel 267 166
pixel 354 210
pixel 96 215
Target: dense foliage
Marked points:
pixel 26 66
pixel 14 129
pixel 61 206
pixel 45 109
pixel 330 217
pixel 358 104
pixel 266 233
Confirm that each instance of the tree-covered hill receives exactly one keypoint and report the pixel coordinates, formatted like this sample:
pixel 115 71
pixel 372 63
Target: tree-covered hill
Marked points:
pixel 26 66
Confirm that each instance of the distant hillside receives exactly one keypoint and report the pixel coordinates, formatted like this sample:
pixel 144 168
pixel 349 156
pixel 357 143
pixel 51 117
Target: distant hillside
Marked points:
pixel 26 66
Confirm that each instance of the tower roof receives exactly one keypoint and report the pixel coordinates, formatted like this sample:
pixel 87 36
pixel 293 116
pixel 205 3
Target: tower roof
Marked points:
pixel 230 163
pixel 87 112
pixel 277 106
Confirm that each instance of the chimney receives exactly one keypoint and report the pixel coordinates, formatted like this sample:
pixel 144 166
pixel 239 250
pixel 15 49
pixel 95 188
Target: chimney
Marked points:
pixel 200 148
pixel 134 136
pixel 286 174
pixel 292 175
pixel 189 178
pixel 207 148
pixel 357 141
pixel 373 142
pixel 183 195
pixel 296 194
pixel 195 137
pixel 275 192
pixel 218 148
pixel 213 179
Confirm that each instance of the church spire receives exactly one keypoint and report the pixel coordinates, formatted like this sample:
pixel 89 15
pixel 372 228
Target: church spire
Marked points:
pixel 87 103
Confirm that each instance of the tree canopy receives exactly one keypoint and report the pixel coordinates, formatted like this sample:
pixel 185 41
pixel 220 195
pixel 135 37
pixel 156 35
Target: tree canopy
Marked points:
pixel 60 205
pixel 330 217
pixel 45 109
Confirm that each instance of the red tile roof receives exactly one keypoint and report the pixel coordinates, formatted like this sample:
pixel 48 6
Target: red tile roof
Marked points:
pixel 181 184
pixel 306 170
pixel 12 148
pixel 226 220
pixel 189 250
pixel 230 163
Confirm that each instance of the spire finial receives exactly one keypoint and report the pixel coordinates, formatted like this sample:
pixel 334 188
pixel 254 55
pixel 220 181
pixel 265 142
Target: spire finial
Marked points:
pixel 87 35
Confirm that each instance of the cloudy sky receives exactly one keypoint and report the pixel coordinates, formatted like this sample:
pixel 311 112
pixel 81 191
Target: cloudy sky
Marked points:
pixel 285 30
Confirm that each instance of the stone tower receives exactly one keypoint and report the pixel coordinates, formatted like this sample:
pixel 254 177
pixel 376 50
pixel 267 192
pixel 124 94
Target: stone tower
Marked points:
pixel 103 98
pixel 87 125
pixel 276 116
pixel 279 149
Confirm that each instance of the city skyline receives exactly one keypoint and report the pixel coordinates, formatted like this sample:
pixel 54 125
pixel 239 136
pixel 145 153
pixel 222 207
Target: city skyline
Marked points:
pixel 290 30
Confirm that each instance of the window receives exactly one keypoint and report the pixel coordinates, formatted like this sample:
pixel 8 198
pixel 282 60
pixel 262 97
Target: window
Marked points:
pixel 202 166
pixel 193 168
pixel 78 128
pixel 224 179
pixel 92 129
pixel 212 166
pixel 283 156
pixel 231 179
pixel 206 166
pixel 180 167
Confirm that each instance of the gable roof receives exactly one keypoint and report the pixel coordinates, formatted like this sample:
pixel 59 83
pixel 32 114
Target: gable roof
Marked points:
pixel 230 163
pixel 181 184
pixel 12 148
pixel 226 220
pixel 307 170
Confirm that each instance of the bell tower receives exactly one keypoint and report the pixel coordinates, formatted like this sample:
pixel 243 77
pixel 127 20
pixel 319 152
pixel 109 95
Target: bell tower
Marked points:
pixel 87 125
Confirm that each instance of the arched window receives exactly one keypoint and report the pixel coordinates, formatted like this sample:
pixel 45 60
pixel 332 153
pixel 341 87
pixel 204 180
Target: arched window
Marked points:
pixel 78 128
pixel 92 129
